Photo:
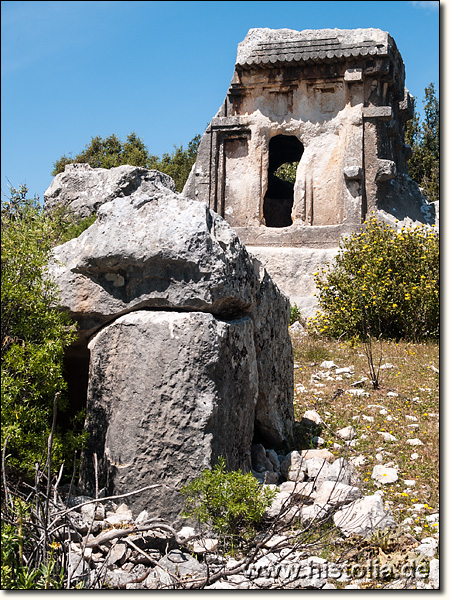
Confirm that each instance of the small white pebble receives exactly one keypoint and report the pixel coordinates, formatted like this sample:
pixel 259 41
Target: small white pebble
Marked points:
pixel 409 482
pixel 388 437
pixel 414 456
pixel 414 442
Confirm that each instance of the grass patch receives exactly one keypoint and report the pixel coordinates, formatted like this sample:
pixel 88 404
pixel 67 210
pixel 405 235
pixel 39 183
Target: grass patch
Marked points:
pixel 406 406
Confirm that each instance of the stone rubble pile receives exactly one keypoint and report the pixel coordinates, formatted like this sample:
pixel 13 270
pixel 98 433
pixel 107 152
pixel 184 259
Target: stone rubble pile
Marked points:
pixel 114 550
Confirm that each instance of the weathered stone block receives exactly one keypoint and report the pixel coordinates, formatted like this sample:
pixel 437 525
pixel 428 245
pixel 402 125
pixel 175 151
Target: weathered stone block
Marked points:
pixel 169 392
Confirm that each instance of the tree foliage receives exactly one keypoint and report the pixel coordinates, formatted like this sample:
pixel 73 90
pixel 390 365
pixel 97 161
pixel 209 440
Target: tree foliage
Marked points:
pixel 112 152
pixel 287 171
pixel 423 137
pixel 34 333
pixel 383 282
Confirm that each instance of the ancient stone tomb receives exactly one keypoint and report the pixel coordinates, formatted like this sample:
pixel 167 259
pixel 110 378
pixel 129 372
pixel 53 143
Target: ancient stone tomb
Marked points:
pixel 330 102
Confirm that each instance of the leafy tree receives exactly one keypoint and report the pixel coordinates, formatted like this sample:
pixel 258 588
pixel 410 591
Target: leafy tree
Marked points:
pixel 111 152
pixel 423 137
pixel 178 165
pixel 34 333
pixel 383 282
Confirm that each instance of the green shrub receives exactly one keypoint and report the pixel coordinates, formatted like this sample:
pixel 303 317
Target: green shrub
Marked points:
pixel 295 314
pixel 34 333
pixel 383 282
pixel 232 502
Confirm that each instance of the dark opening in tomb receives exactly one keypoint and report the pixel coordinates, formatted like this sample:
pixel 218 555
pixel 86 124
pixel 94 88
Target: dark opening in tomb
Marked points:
pixel 284 150
pixel 76 374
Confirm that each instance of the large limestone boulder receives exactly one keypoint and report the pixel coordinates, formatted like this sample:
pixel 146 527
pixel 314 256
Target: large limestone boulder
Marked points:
pixel 155 250
pixel 186 337
pixel 168 393
pixel 83 189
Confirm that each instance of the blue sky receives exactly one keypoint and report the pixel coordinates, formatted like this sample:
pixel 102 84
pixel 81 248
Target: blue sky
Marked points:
pixel 74 70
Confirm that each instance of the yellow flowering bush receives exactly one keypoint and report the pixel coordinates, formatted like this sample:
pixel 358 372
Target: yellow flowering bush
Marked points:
pixel 383 281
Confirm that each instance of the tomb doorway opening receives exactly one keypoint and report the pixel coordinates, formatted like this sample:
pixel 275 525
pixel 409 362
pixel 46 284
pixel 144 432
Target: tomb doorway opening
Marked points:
pixel 285 152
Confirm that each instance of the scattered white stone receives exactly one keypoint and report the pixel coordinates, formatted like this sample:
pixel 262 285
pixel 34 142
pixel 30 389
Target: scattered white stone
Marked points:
pixel 379 457
pixel 359 382
pixel 408 521
pixel 409 482
pixel 414 456
pixel 357 392
pixel 384 474
pixel 205 545
pixel 351 443
pixel 368 418
pixel 314 416
pixel 433 368
pixel 293 466
pixel 419 507
pixel 297 489
pixel 345 370
pixel 186 532
pixel 383 411
pixel 434 574
pixel 428 547
pixel 414 442
pixel 334 493
pixel 301 388
pixel 347 433
pixel 387 366
pixel 352 586
pixel 318 441
pixel 388 437
pixel 336 446
pixel 328 364
pixel 358 461
pixel 119 518
pixel 411 417
pixel 375 406
pixel 392 394
pixel 323 453
pixel 434 518
pixel 363 516
pixel 413 426
pixel 221 585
